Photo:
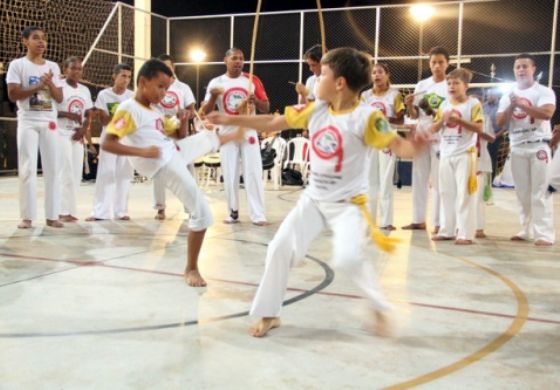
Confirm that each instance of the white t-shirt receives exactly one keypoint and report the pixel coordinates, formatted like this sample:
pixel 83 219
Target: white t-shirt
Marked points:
pixel 142 127
pixel 177 97
pixel 435 93
pixel 311 85
pixel 39 106
pixel 108 101
pixel 340 143
pixel 235 91
pixel 484 159
pixel 389 103
pixel 454 139
pixel 522 127
pixel 76 101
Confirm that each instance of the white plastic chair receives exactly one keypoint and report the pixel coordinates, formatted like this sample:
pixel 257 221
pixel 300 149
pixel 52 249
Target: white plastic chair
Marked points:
pixel 212 168
pixel 297 152
pixel 279 145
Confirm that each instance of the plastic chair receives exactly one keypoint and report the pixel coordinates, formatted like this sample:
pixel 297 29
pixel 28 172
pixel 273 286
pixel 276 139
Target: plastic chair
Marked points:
pixel 297 151
pixel 279 145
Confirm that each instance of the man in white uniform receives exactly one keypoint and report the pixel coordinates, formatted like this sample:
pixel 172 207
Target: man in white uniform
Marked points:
pixel 308 91
pixel 426 164
pixel 228 92
pixel 528 110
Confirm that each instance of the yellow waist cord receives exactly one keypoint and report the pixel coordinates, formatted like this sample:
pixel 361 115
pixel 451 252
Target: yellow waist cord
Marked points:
pixel 385 243
pixel 472 185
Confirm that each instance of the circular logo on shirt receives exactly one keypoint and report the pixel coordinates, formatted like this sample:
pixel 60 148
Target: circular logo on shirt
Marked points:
pixel 382 125
pixel 233 98
pixel 170 100
pixel 327 143
pixel 380 106
pixel 542 155
pixel 76 106
pixel 457 114
pixel 518 113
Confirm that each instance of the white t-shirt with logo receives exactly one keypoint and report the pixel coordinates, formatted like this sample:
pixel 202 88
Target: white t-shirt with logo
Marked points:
pixel 77 100
pixel 142 127
pixel 108 101
pixel 177 97
pixel 522 127
pixel 235 91
pixel 340 145
pixel 41 105
pixel 456 140
pixel 390 103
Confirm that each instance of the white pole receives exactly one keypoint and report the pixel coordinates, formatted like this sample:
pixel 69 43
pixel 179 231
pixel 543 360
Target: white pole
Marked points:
pixel 460 34
pixel 301 48
pixel 119 34
pixel 553 45
pixel 107 21
pixel 377 30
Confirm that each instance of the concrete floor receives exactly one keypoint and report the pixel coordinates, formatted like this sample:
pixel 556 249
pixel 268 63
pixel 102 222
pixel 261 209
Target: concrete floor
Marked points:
pixel 104 306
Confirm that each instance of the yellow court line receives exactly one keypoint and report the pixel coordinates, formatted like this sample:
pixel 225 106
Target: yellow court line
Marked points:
pixel 498 342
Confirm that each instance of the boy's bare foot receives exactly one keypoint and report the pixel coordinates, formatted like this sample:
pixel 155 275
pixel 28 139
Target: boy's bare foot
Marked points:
pixel 265 324
pixel 384 324
pixel 55 223
pixel 415 226
pixel 67 218
pixel 160 215
pixel 124 218
pixel 463 242
pixel 25 224
pixel 93 219
pixel 517 238
pixel 260 223
pixel 193 278
pixel 442 238
pixel 436 230
pixel 540 242
pixel 480 234
pixel 388 227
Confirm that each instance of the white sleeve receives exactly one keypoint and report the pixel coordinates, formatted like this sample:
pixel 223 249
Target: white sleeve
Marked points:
pixel 189 97
pixel 14 73
pixel 211 85
pixel 310 85
pixel 87 96
pixel 504 103
pixel 57 81
pixel 418 88
pixel 100 102
pixel 546 97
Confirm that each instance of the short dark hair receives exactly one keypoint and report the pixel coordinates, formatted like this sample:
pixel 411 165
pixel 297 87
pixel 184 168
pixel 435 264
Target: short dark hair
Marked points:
pixel 70 60
pixel 353 65
pixel 152 68
pixel 232 50
pixel 314 53
pixel 120 67
pixel 26 33
pixel 165 57
pixel 439 50
pixel 526 56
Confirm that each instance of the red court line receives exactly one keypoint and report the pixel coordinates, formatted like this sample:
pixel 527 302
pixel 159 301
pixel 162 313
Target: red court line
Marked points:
pixel 90 263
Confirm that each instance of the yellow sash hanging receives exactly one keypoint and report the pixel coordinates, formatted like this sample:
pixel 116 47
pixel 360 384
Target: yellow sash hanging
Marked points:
pixel 473 184
pixel 385 243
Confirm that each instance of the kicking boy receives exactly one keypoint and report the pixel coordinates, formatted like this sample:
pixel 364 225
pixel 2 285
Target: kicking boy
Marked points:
pixel 139 130
pixel 341 130
pixel 114 172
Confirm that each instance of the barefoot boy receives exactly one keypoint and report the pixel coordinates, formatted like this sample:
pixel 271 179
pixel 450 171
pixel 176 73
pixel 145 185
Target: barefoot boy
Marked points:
pixel 341 130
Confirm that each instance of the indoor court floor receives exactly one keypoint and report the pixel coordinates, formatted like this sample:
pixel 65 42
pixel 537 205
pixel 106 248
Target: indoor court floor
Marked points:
pixel 103 305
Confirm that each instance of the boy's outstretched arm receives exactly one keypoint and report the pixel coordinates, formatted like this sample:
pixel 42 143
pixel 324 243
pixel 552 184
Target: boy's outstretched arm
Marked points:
pixel 112 145
pixel 261 123
pixel 408 148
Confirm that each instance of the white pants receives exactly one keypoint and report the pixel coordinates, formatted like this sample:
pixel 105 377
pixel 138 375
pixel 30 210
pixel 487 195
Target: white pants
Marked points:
pixel 458 207
pixel 483 179
pixel 382 171
pixel 425 171
pixel 71 166
pixel 33 136
pixel 190 148
pixel 250 154
pixel 111 186
pixel 291 242
pixel 554 180
pixel 175 176
pixel 530 164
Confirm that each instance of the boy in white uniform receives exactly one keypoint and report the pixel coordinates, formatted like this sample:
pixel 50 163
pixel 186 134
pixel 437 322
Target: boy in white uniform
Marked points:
pixel 34 84
pixel 528 111
pixel 140 131
pixel 308 92
pixel 72 125
pixel 341 131
pixel 460 119
pixel 228 92
pixel 433 90
pixel 390 102
pixel 178 97
pixel 110 199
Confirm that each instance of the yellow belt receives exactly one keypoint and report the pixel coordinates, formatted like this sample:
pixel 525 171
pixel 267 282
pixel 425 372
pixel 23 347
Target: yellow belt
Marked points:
pixel 472 185
pixel 385 243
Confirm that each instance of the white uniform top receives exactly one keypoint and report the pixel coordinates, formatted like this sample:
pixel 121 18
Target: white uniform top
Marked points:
pixel 454 139
pixel 484 160
pixel 235 91
pixel 390 103
pixel 76 101
pixel 108 101
pixel 435 93
pixel 339 147
pixel 39 106
pixel 177 97
pixel 522 127
pixel 311 85
pixel 142 127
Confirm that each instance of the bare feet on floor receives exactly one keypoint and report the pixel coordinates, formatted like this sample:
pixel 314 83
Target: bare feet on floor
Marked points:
pixel 540 242
pixel 124 218
pixel 517 238
pixel 55 223
pixel 93 219
pixel 388 227
pixel 480 234
pixel 384 324
pixel 25 224
pixel 261 223
pixel 67 218
pixel 265 324
pixel 193 278
pixel 463 242
pixel 442 238
pixel 415 226
pixel 160 215
pixel 436 230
